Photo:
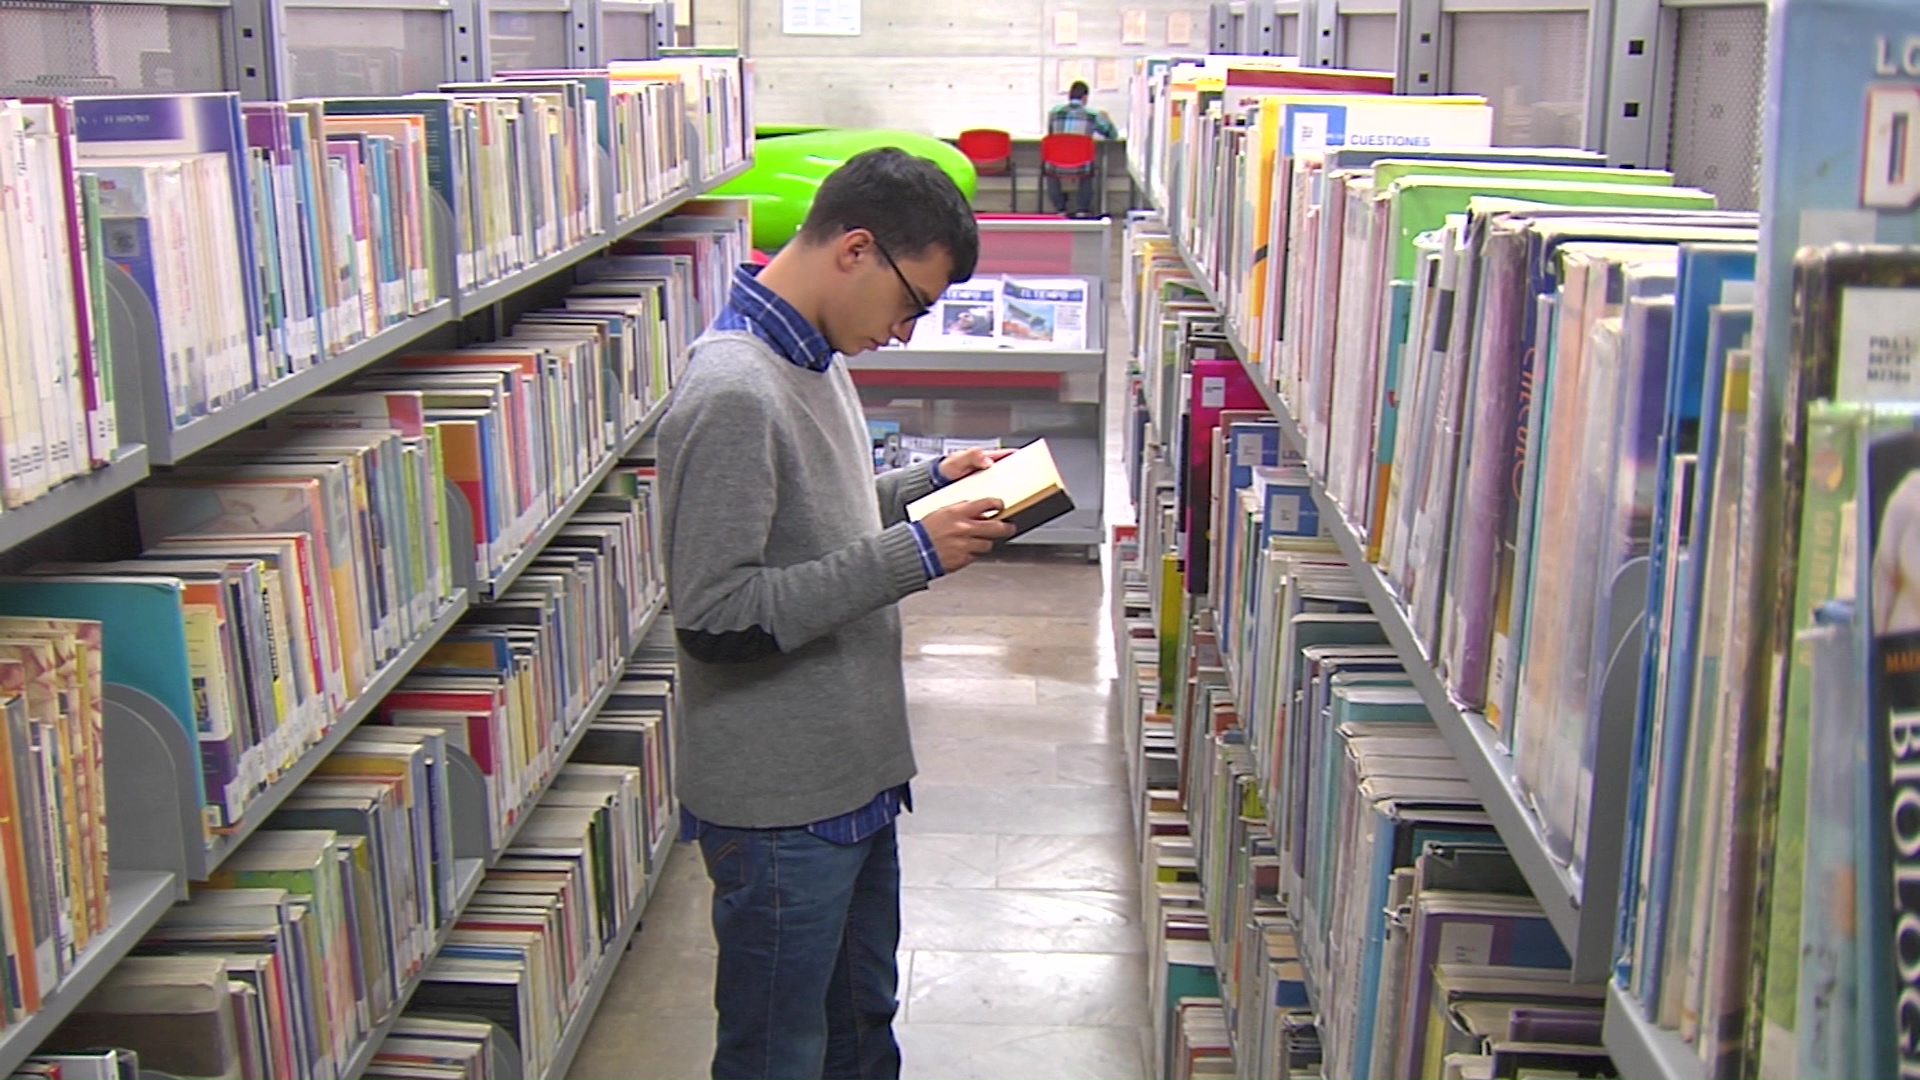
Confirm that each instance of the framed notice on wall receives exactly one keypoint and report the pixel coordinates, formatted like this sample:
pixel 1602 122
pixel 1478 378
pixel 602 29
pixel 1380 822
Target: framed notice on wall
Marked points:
pixel 829 18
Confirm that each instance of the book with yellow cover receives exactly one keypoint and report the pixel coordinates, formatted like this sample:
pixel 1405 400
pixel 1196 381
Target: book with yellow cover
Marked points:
pixel 1027 483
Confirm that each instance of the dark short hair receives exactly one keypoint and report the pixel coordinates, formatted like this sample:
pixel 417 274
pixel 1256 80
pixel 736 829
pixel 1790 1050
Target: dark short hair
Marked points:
pixel 1078 91
pixel 905 201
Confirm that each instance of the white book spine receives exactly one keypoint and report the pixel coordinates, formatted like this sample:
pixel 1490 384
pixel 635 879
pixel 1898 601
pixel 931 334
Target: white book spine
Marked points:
pixel 23 456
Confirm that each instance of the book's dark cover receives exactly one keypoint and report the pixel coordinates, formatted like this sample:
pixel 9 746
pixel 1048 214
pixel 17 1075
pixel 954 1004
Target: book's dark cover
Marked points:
pixel 1032 517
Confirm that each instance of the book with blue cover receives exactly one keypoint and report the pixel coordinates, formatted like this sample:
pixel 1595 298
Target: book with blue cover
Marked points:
pixel 1710 276
pixel 145 127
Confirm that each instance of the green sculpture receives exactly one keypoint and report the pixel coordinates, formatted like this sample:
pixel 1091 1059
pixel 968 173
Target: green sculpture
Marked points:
pixel 790 161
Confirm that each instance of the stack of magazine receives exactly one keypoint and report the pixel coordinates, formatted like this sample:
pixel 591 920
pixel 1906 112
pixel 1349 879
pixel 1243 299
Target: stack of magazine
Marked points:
pixel 1005 312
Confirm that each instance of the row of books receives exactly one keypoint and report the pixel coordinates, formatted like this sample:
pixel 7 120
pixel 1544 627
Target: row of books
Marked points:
pixel 57 412
pixel 1770 725
pixel 1360 893
pixel 305 938
pixel 53 834
pixel 1402 287
pixel 1464 335
pixel 1231 996
pixel 622 333
pixel 290 566
pixel 278 577
pixel 518 676
pixel 237 245
pixel 546 918
pixel 1232 470
pixel 347 908
pixel 287 567
pixel 93 1065
pixel 556 906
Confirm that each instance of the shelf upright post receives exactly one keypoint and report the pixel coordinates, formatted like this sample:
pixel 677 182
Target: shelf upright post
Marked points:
pixel 583 32
pixel 1321 40
pixel 1417 50
pixel 257 49
pixel 1634 81
pixel 463 41
pixel 1260 33
pixel 665 30
pixel 1220 28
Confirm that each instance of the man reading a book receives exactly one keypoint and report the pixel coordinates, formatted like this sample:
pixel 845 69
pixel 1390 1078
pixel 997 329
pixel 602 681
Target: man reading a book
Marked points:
pixel 786 558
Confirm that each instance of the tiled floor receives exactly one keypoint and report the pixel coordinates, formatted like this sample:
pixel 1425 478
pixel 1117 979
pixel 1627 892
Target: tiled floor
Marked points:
pixel 1021 953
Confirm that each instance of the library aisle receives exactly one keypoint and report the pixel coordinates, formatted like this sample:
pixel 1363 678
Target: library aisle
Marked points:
pixel 1021 953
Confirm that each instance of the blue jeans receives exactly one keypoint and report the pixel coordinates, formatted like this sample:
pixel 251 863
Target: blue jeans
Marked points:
pixel 808 932
pixel 1082 196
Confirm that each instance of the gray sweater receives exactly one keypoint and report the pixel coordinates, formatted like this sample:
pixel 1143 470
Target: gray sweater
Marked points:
pixel 785 557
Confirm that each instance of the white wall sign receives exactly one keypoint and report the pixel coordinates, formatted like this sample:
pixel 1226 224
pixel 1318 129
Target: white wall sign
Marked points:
pixel 833 18
pixel 1066 28
pixel 1179 28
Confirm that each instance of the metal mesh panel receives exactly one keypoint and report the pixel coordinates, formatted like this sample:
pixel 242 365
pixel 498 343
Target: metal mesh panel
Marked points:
pixel 1369 41
pixel 526 39
pixel 626 35
pixel 67 48
pixel 1719 79
pixel 1532 68
pixel 340 52
pixel 1289 43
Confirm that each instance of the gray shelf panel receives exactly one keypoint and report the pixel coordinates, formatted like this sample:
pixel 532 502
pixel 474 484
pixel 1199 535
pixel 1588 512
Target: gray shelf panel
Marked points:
pixel 1641 1049
pixel 969 360
pixel 361 707
pixel 72 497
pixel 579 732
pixel 487 295
pixel 182 442
pixel 493 590
pixel 1488 767
pixel 662 850
pixel 467 874
pixel 652 420
pixel 673 202
pixel 582 1019
pixel 138 899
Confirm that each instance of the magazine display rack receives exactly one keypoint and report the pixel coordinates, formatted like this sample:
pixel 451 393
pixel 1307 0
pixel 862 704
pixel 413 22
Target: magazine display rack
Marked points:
pixel 940 390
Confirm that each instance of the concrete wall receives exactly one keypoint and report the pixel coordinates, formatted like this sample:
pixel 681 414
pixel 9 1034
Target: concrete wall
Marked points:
pixel 717 23
pixel 941 66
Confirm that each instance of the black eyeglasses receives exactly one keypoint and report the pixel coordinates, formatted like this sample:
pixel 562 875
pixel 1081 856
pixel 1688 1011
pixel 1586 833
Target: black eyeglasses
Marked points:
pixel 921 308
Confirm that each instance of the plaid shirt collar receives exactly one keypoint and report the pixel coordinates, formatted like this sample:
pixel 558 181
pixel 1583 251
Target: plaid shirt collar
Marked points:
pixel 1073 118
pixel 762 312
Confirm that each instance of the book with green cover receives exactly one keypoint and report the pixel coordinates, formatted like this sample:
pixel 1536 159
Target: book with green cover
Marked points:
pixel 1422 203
pixel 1385 173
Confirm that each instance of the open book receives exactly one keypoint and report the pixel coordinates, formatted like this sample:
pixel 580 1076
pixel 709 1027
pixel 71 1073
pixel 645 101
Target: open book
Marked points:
pixel 1027 483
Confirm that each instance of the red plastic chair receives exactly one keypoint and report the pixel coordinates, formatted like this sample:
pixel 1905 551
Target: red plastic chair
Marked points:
pixel 991 151
pixel 1067 154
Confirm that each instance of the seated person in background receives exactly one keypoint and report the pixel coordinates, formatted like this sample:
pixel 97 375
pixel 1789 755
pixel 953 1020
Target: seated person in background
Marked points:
pixel 1076 117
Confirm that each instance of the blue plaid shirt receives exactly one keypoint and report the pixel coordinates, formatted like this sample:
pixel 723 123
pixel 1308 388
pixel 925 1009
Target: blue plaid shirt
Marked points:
pixel 755 309
pixel 1078 118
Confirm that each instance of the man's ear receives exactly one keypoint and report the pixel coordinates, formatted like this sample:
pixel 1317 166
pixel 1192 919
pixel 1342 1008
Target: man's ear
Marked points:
pixel 848 248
